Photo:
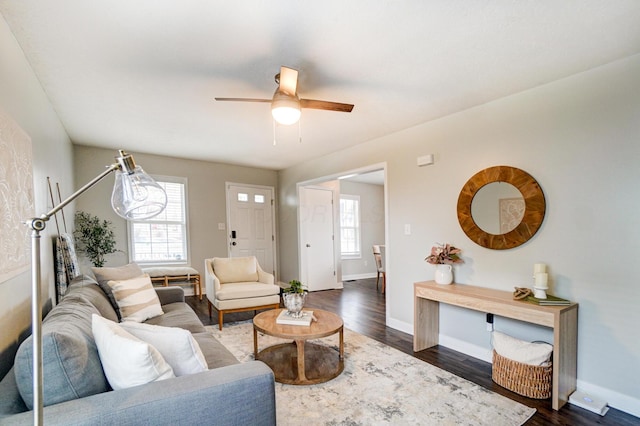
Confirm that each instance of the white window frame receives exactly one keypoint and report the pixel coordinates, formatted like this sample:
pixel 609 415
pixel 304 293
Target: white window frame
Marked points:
pixel 185 229
pixel 358 229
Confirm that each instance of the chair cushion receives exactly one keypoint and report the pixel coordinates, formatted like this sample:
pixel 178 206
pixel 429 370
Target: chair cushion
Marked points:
pixel 127 361
pixel 176 345
pixel 136 298
pixel 246 290
pixel 71 364
pixel 235 269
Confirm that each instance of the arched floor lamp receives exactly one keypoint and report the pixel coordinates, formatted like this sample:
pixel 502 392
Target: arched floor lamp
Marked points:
pixel 135 196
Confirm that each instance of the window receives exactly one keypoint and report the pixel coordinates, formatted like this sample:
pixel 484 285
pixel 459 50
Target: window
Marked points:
pixel 350 226
pixel 163 238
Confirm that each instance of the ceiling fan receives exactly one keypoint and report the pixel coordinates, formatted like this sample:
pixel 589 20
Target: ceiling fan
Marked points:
pixel 285 104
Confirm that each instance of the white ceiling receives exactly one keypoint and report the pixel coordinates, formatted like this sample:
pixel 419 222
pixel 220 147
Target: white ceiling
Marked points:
pixel 141 75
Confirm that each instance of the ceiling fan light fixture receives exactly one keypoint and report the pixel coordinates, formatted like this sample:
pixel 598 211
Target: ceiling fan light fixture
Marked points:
pixel 285 109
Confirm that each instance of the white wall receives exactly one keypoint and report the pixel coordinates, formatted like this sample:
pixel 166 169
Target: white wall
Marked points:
pixel 206 197
pixel 22 98
pixel 580 138
pixel 371 227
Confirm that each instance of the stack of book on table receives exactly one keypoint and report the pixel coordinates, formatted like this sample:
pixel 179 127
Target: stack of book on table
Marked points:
pixel 551 300
pixel 286 319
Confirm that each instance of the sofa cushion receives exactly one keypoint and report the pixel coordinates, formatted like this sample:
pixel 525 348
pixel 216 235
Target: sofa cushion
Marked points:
pixel 178 314
pixel 176 345
pixel 244 290
pixel 127 361
pixel 71 364
pixel 235 269
pixel 216 354
pixel 136 298
pixel 93 293
pixel 106 274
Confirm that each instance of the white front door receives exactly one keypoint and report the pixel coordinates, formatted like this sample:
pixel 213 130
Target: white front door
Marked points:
pixel 250 223
pixel 316 239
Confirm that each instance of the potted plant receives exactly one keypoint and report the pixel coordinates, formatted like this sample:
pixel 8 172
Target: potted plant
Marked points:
pixel 294 298
pixel 443 256
pixel 95 237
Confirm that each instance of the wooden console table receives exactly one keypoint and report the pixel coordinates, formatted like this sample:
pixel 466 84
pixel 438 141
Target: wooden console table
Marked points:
pixel 562 319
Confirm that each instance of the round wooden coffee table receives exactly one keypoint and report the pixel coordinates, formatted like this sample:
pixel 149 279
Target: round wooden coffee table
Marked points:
pixel 300 362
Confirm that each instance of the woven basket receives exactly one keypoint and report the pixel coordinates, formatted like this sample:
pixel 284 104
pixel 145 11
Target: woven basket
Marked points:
pixel 532 381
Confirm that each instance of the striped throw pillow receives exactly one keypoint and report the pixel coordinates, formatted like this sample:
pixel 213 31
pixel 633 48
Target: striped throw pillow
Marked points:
pixel 136 298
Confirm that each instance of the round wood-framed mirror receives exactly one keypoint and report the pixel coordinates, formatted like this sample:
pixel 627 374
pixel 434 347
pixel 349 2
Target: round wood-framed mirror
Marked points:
pixel 532 218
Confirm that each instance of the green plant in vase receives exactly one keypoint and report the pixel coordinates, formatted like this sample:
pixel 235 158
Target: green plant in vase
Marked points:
pixel 294 298
pixel 95 237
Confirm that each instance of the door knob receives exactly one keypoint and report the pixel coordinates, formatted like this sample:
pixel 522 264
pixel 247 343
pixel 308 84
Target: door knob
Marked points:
pixel 308 245
pixel 234 243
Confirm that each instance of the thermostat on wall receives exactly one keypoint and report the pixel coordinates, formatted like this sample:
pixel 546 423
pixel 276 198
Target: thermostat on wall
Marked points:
pixel 425 160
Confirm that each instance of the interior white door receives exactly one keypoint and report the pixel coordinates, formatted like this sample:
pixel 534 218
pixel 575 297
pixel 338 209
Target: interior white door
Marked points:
pixel 250 224
pixel 316 232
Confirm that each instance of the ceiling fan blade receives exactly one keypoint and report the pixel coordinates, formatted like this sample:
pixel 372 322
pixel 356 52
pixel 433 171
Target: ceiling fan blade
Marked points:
pixel 243 100
pixel 326 105
pixel 288 80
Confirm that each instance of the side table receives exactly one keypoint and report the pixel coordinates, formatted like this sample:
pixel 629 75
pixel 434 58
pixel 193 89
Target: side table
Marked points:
pixel 300 362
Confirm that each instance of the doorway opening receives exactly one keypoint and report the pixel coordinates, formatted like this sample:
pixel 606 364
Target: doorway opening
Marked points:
pixel 335 247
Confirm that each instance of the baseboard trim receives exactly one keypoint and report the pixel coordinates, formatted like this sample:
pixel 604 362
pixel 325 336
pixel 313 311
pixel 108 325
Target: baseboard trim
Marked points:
pixel 358 276
pixel 466 348
pixel 626 403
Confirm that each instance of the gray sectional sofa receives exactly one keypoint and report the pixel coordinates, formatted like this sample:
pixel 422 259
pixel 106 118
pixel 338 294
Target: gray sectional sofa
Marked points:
pixel 76 391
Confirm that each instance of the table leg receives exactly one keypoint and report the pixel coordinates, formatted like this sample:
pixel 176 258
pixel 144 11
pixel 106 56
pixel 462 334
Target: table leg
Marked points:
pixel 342 343
pixel 255 343
pixel 301 371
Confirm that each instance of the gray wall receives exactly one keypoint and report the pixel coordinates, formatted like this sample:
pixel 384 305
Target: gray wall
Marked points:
pixel 22 98
pixel 371 227
pixel 206 196
pixel 579 137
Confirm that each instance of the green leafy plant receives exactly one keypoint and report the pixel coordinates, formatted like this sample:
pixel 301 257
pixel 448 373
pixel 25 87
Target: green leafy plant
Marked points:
pixel 95 237
pixel 444 254
pixel 295 286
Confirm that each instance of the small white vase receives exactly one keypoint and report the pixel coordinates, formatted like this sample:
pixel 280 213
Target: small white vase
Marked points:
pixel 444 274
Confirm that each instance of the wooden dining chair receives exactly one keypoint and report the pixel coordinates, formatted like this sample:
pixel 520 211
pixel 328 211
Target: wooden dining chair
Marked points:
pixel 377 255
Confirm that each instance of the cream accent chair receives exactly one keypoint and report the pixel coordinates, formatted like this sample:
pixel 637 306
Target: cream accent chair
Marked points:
pixel 238 284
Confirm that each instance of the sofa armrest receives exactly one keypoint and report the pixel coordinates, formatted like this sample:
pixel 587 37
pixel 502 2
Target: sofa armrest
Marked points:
pixel 170 294
pixel 241 394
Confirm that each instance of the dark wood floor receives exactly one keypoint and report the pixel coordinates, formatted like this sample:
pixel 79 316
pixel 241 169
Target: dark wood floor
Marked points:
pixel 363 310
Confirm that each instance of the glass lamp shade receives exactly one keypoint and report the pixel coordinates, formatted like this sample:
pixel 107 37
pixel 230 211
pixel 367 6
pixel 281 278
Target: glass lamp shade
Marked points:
pixel 285 109
pixel 137 196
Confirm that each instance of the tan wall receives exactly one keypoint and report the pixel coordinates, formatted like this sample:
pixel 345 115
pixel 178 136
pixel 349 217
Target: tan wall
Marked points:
pixel 579 137
pixel 22 98
pixel 206 197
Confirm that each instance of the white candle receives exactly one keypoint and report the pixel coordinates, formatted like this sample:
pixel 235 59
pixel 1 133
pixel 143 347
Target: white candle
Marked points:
pixel 541 279
pixel 539 267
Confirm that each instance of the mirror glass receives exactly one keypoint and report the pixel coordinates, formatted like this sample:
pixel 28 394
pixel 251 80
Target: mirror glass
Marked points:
pixel 497 208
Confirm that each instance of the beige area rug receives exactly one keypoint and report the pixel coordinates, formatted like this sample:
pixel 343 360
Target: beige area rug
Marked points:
pixel 379 385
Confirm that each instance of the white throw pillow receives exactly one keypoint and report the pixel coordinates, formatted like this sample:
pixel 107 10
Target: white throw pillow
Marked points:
pixel 136 298
pixel 176 345
pixel 532 353
pixel 126 360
